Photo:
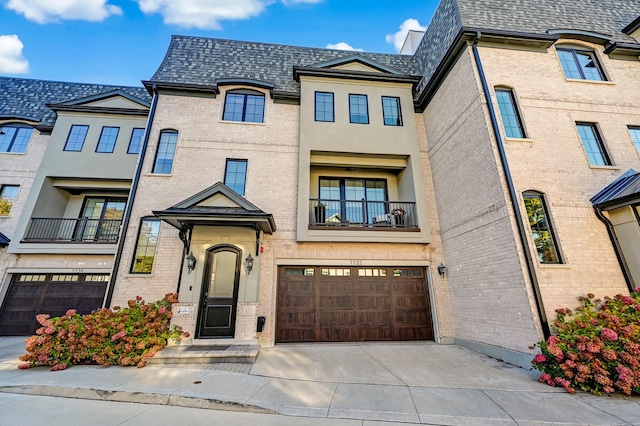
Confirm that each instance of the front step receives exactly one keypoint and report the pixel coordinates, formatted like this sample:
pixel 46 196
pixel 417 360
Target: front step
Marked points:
pixel 199 354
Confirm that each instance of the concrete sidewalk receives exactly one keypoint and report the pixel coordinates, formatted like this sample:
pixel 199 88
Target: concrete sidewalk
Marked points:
pixel 408 383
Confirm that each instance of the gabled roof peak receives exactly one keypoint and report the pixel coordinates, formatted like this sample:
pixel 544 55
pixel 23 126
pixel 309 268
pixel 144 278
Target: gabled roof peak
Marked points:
pixel 359 59
pixel 102 96
pixel 217 188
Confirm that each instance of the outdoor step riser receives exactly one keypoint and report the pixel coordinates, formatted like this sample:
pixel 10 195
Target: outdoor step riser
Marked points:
pixel 201 360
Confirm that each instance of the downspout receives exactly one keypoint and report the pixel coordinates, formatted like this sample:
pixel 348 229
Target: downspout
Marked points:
pixel 616 247
pixel 132 195
pixel 512 191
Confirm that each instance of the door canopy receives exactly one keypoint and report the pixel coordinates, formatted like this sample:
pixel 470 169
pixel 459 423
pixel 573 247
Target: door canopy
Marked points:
pixel 217 205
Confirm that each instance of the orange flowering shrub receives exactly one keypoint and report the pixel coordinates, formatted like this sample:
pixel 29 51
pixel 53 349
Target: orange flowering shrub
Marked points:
pixel 115 336
pixel 598 350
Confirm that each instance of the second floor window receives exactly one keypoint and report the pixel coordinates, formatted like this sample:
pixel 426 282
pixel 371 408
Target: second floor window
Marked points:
pixel 245 106
pixel 101 219
pixel 353 200
pixel 358 109
pixel 166 151
pixel 136 141
pixel 593 145
pixel 508 111
pixel 635 136
pixel 324 106
pixel 107 141
pixel 14 137
pixel 391 111
pixel 77 135
pixel 8 195
pixel 580 64
pixel 235 175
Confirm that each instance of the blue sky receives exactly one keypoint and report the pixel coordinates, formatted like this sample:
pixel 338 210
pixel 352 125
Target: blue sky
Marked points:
pixel 123 41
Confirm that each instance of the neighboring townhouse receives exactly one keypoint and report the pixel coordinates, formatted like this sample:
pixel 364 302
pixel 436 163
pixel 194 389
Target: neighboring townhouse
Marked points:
pixel 328 196
pixel 70 151
pixel 514 176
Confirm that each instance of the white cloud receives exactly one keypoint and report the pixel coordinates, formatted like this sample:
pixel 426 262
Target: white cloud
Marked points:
pixel 343 46
pixel 203 14
pixel 42 11
pixel 207 14
pixel 292 2
pixel 11 59
pixel 398 38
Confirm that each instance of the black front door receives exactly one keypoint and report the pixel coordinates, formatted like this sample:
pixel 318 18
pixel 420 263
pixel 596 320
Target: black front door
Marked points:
pixel 219 295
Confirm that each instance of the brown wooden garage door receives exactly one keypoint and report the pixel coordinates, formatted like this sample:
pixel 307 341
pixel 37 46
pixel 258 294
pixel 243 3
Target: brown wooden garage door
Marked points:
pixel 33 294
pixel 334 304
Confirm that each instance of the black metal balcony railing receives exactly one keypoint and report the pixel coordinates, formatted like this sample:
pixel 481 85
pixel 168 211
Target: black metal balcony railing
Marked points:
pixel 362 214
pixel 73 230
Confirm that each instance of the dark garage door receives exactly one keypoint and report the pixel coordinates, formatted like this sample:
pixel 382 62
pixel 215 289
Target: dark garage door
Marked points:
pixel 343 304
pixel 33 294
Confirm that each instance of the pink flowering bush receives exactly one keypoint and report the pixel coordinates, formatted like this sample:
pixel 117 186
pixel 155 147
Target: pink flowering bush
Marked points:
pixel 115 336
pixel 597 349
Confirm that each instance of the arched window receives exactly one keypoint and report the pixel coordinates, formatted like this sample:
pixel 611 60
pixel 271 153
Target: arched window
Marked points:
pixel 14 137
pixel 541 229
pixel 580 63
pixel 244 105
pixel 166 151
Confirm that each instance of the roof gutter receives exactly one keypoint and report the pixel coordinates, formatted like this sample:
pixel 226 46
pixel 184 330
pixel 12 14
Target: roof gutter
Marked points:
pixel 512 192
pixel 132 195
pixel 626 272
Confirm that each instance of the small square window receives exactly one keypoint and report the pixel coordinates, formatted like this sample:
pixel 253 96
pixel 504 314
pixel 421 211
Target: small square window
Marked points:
pixel 358 109
pixel 8 195
pixel 77 135
pixel 107 141
pixel 580 64
pixel 136 141
pixel 324 106
pixel 391 111
pixel 593 145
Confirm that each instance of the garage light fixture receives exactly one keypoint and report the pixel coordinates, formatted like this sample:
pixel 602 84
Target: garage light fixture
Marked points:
pixel 442 269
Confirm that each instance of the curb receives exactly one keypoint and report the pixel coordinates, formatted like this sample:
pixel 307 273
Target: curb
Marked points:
pixel 134 397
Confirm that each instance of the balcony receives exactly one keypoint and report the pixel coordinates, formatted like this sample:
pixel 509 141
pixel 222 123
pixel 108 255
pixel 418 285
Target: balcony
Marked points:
pixel 82 230
pixel 363 214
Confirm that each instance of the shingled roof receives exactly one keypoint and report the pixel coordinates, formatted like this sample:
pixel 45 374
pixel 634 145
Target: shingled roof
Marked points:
pixel 607 17
pixel 24 98
pixel 204 61
pixel 527 17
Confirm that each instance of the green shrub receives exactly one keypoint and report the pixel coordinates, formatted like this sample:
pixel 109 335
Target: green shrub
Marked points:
pixel 598 350
pixel 115 336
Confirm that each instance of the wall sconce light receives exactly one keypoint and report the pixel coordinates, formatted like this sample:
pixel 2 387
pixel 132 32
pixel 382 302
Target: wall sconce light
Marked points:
pixel 248 263
pixel 191 263
pixel 442 269
pixel 2 131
